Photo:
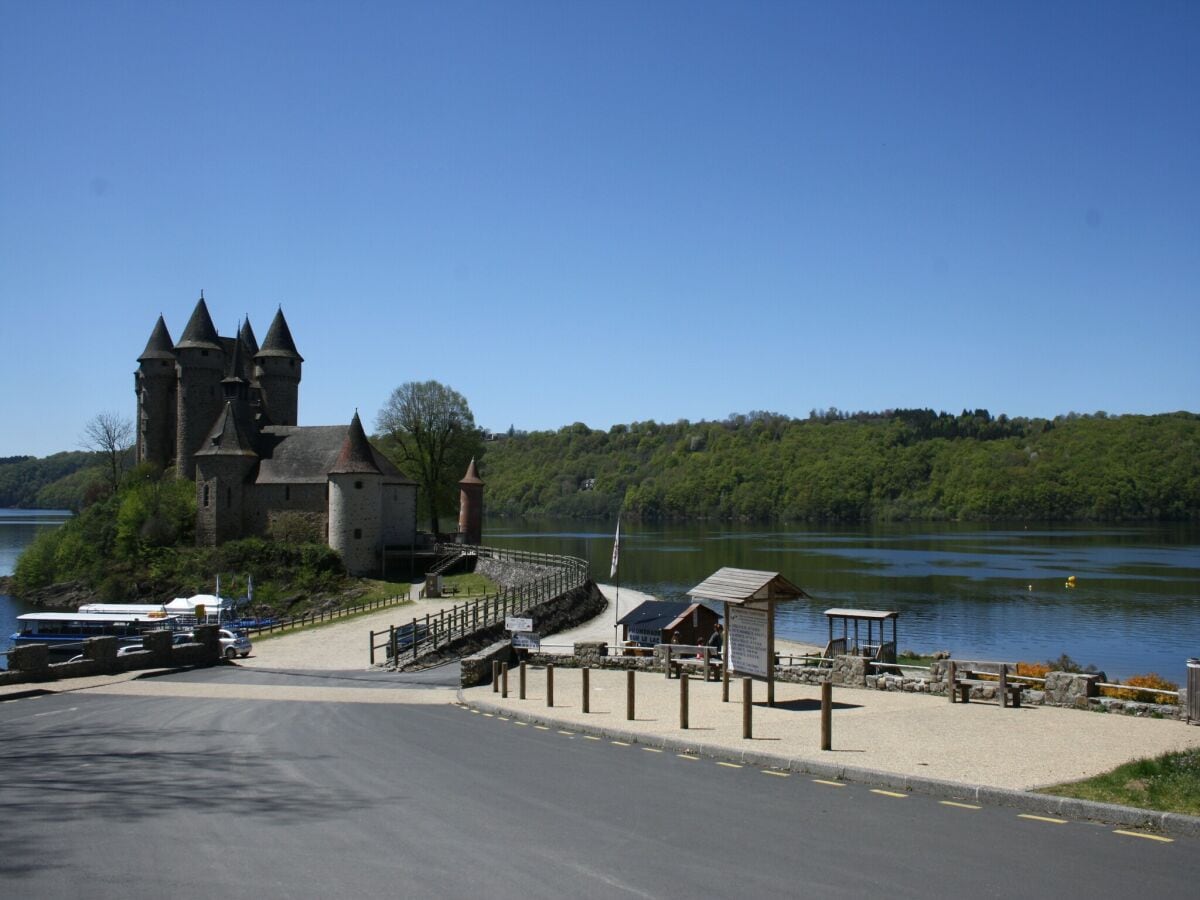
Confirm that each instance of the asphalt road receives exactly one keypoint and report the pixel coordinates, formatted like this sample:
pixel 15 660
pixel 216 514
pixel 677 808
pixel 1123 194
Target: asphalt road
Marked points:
pixel 151 797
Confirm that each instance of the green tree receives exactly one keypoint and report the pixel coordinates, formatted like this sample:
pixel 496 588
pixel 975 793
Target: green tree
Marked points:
pixel 432 437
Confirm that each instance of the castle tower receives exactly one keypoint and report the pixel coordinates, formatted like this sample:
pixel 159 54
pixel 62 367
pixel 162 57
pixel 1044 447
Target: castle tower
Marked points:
pixel 356 503
pixel 470 507
pixel 235 387
pixel 277 370
pixel 200 367
pixel 154 384
pixel 223 467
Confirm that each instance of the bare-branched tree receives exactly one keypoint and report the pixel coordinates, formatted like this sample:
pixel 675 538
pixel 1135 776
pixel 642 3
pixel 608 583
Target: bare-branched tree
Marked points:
pixel 111 434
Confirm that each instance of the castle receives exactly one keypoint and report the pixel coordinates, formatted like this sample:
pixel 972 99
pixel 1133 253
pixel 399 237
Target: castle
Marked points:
pixel 223 412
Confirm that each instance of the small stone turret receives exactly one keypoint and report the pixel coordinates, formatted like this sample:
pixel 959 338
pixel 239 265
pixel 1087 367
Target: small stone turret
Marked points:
pixel 200 367
pixel 223 467
pixel 277 370
pixel 470 507
pixel 356 503
pixel 154 384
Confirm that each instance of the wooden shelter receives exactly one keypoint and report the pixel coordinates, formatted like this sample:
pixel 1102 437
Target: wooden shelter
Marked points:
pixel 875 646
pixel 655 621
pixel 749 597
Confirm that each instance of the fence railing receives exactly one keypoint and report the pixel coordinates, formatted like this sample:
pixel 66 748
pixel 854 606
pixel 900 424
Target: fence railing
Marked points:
pixel 277 625
pixel 430 632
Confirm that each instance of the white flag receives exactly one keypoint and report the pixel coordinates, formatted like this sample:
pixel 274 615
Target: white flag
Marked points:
pixel 616 550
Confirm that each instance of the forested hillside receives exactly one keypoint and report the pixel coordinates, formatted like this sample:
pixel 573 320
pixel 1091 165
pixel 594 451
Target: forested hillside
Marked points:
pixel 839 467
pixel 60 481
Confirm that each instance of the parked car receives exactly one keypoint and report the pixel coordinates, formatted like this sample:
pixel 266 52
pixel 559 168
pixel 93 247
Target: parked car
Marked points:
pixel 233 643
pixel 129 648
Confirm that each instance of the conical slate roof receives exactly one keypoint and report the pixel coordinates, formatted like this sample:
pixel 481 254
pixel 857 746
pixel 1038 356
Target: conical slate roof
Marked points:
pixel 160 345
pixel 472 476
pixel 200 332
pixel 356 456
pixel 237 363
pixel 278 341
pixel 228 437
pixel 246 333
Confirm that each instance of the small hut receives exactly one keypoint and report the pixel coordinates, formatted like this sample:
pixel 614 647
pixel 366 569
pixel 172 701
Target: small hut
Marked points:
pixel 656 621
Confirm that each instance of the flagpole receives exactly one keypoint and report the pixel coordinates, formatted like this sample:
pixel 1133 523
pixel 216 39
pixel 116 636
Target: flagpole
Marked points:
pixel 616 573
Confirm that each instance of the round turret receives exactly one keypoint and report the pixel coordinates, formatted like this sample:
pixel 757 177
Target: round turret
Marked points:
pixel 470 507
pixel 277 369
pixel 200 366
pixel 356 503
pixel 154 385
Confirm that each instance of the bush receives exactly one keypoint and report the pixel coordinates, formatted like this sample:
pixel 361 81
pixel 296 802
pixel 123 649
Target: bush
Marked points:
pixel 1150 680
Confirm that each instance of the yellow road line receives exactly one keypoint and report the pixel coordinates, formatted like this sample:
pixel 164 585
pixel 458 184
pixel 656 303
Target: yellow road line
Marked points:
pixel 490 715
pixel 1149 837
pixel 729 765
pixel 517 722
pixel 830 783
pixel 652 750
pixel 502 718
pixel 686 756
pixel 1042 819
pixel 619 743
pixel 568 733
pixel 541 727
pixel 590 737
pixel 475 711
pixel 959 805
pixel 887 793
pixel 776 774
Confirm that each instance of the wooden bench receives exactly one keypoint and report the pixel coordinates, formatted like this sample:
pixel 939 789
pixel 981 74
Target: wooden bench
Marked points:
pixel 708 661
pixel 962 675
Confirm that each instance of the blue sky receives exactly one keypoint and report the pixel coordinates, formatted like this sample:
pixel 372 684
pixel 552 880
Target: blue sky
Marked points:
pixel 607 212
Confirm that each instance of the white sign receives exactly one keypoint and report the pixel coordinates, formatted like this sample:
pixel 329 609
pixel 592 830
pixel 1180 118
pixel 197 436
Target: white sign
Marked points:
pixel 513 623
pixel 748 641
pixel 526 640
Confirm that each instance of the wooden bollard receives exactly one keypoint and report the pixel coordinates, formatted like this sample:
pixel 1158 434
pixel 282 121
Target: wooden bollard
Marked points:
pixel 504 680
pixel 826 715
pixel 683 700
pixel 950 678
pixel 550 684
pixel 495 676
pixel 747 707
pixel 586 699
pixel 629 696
pixel 521 682
pixel 724 682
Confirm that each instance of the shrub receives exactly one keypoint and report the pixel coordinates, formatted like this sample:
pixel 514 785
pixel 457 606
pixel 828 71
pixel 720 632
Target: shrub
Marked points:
pixel 1150 680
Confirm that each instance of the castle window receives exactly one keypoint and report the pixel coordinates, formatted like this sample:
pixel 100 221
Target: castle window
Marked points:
pixel 229 496
pixel 287 492
pixel 204 353
pixel 205 502
pixel 358 485
pixel 357 533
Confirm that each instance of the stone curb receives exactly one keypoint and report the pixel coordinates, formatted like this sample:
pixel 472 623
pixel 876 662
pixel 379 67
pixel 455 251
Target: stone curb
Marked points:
pixel 1174 824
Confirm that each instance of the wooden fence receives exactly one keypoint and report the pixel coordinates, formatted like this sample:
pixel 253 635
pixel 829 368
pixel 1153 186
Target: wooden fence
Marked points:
pixel 422 635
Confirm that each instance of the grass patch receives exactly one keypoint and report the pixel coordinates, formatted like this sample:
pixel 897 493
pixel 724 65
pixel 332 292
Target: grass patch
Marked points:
pixel 468 586
pixel 914 659
pixel 1169 783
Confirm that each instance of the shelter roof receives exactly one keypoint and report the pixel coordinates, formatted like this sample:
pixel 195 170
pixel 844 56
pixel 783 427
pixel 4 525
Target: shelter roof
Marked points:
pixel 200 332
pixel 739 586
pixel 657 613
pixel 160 345
pixel 875 615
pixel 278 341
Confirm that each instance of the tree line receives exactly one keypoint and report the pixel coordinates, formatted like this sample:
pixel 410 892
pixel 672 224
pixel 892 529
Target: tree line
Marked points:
pixel 856 467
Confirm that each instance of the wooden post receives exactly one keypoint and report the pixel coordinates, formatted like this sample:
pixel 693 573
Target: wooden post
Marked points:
pixel 550 684
pixel 414 638
pixel 683 700
pixel 495 676
pixel 1003 685
pixel 504 680
pixel 725 659
pixel 950 679
pixel 372 639
pixel 704 656
pixel 747 707
pixel 668 661
pixel 771 653
pixel 521 681
pixel 586 685
pixel 629 696
pixel 826 715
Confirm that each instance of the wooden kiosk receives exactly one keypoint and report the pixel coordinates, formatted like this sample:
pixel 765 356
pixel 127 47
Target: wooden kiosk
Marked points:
pixel 749 597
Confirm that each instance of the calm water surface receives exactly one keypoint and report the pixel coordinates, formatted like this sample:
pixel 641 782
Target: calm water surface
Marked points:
pixel 985 592
pixel 977 591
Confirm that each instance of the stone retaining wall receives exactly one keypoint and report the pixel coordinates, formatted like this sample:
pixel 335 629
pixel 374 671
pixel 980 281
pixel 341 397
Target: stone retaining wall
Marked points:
pixel 30 663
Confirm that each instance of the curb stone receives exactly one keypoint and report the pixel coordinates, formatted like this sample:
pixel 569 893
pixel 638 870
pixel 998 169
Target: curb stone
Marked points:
pixel 1173 824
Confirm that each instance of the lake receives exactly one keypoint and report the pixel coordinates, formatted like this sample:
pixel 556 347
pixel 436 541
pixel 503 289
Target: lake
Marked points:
pixel 979 591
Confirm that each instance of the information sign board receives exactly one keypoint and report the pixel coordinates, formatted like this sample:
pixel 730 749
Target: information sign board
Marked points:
pixel 748 641
pixel 515 623
pixel 526 640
